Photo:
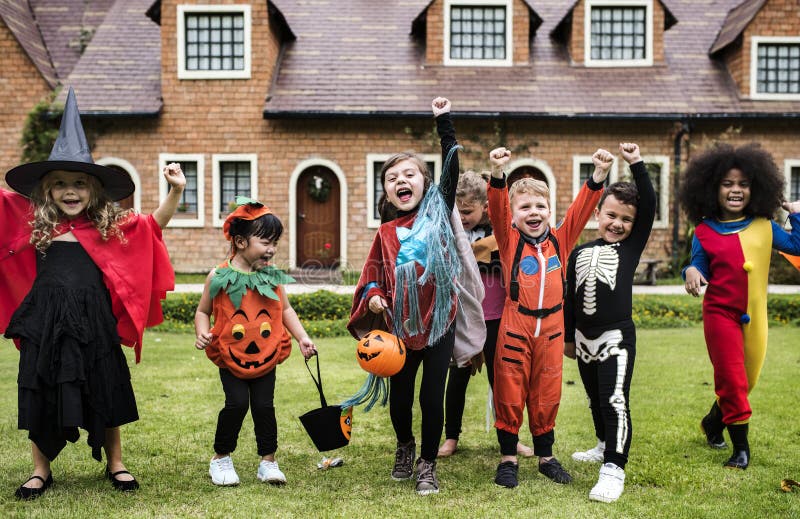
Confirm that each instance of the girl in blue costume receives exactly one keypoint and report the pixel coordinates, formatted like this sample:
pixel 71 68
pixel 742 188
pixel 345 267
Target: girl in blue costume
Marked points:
pixel 252 319
pixel 413 265
pixel 732 194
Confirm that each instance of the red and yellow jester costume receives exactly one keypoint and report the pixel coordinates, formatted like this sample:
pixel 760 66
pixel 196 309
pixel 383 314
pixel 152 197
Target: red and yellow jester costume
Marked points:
pixel 531 340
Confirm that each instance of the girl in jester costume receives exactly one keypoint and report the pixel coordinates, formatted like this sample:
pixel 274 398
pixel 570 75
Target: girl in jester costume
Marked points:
pixel 732 194
pixel 250 336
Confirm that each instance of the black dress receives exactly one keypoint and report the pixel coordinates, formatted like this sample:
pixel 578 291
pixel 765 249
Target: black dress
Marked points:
pixel 72 372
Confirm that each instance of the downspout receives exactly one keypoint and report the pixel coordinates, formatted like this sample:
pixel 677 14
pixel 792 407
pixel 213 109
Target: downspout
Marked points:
pixel 683 130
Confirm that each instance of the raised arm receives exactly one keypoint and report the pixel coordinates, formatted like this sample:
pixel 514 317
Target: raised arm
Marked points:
pixel 447 136
pixel 177 182
pixel 646 210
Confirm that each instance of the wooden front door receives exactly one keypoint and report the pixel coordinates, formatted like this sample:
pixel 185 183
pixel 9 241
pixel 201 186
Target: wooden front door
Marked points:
pixel 318 209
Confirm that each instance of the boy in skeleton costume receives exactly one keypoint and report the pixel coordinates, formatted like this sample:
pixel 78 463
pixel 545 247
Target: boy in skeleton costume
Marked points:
pixel 527 367
pixel 597 318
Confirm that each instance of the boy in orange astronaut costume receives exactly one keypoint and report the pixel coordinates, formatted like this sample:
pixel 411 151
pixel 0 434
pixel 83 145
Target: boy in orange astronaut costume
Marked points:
pixel 530 343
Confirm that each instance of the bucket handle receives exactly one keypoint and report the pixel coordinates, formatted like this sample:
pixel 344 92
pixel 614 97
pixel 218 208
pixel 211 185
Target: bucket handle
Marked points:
pixel 317 381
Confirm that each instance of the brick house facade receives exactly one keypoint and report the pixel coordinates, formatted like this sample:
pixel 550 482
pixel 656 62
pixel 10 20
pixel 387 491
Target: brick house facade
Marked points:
pixel 318 95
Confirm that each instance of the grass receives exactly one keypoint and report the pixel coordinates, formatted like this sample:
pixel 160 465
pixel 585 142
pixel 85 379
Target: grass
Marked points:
pixel 671 472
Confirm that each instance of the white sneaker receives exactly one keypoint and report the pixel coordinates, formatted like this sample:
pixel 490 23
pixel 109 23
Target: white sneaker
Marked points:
pixel 268 471
pixel 222 472
pixel 609 485
pixel 594 455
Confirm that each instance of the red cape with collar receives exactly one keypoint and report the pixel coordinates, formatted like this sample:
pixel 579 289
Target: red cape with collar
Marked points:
pixel 137 273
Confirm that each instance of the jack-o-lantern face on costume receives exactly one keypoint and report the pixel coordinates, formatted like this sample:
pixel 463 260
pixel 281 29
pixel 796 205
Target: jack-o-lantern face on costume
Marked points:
pixel 250 338
pixel 346 422
pixel 381 353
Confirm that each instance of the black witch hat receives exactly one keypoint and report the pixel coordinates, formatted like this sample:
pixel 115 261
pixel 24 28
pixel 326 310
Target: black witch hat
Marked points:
pixel 70 153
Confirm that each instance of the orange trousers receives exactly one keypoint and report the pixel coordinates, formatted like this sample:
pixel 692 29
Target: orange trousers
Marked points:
pixel 527 370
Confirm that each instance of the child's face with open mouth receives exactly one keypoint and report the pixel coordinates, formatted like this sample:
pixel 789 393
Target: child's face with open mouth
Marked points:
pixel 404 185
pixel 530 213
pixel 70 191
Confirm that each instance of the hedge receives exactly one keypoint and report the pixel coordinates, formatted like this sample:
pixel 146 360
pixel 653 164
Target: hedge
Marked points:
pixel 325 314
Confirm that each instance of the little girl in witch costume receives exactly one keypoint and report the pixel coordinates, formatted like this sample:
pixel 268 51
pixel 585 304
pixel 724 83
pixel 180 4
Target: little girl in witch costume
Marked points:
pixel 731 194
pixel 408 286
pixel 250 336
pixel 80 276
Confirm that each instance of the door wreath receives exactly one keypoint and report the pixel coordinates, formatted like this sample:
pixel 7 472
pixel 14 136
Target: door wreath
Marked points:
pixel 319 188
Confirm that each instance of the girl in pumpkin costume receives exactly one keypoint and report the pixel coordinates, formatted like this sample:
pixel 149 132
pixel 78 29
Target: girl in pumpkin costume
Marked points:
pixel 250 336
pixel 731 194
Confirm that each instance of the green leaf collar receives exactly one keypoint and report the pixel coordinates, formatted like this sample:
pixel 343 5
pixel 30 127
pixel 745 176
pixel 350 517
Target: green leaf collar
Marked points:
pixel 236 282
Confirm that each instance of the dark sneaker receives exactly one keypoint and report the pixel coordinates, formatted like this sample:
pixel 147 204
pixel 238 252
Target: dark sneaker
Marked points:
pixel 426 477
pixel 714 436
pixel 553 470
pixel 404 461
pixel 506 475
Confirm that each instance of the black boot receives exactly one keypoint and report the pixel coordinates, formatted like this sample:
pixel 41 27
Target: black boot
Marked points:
pixel 740 458
pixel 712 427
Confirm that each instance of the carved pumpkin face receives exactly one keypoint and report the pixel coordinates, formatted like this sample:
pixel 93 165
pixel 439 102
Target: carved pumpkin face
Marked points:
pixel 381 353
pixel 346 422
pixel 249 339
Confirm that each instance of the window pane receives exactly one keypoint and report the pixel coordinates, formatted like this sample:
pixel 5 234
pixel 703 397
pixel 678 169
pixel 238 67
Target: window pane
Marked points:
pixel 618 33
pixel 215 28
pixel 794 184
pixel 188 203
pixel 477 32
pixel 234 181
pixel 778 72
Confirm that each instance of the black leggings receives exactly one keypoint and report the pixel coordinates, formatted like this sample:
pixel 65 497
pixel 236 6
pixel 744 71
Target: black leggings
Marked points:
pixel 241 394
pixel 458 380
pixel 434 359
pixel 607 384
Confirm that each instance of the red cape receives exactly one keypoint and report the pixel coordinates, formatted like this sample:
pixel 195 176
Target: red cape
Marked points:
pixel 137 273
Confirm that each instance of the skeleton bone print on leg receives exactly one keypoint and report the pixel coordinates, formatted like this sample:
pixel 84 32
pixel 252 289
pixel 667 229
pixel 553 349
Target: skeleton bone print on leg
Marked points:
pixel 599 350
pixel 593 264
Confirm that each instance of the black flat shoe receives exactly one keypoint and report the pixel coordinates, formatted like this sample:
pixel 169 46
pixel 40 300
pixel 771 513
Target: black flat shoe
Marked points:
pixel 739 460
pixel 553 470
pixel 28 493
pixel 122 486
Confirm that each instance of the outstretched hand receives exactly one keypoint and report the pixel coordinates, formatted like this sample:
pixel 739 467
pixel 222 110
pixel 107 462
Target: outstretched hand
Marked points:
pixel 630 152
pixel 440 105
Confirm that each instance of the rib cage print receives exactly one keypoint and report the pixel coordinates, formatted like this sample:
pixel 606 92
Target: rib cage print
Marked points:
pixel 593 264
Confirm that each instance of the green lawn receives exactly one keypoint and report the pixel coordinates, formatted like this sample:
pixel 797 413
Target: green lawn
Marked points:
pixel 671 472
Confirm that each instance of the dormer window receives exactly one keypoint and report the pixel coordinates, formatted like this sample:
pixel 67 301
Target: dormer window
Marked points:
pixel 478 32
pixel 775 68
pixel 619 33
pixel 213 41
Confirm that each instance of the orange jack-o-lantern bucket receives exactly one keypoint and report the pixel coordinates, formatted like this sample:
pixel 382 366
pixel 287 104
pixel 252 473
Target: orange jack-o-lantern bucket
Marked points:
pixel 381 353
pixel 329 426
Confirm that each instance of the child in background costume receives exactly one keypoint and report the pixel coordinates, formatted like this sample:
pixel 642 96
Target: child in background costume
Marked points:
pixel 527 367
pixel 250 337
pixel 473 206
pixel 597 316
pixel 80 276
pixel 413 264
pixel 731 194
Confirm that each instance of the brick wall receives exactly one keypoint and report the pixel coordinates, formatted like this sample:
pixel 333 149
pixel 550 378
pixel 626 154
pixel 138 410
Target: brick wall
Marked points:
pixel 21 87
pixel 776 18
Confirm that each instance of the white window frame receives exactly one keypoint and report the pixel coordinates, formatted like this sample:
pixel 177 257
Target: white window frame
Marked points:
pixel 577 160
pixel 163 186
pixel 372 158
pixel 755 41
pixel 135 177
pixel 662 218
pixel 509 59
pixel 788 164
pixel 587 34
pixel 216 193
pixel 183 9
